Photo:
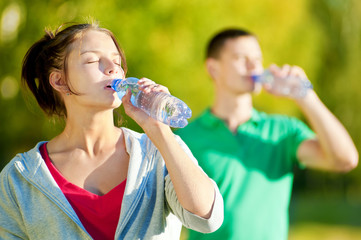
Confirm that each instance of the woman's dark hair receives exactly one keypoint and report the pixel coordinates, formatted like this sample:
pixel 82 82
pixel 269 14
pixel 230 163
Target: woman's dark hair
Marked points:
pixel 50 53
pixel 217 42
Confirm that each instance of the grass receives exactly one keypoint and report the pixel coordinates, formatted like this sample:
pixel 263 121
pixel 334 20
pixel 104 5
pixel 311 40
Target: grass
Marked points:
pixel 323 217
pixel 326 216
pixel 319 231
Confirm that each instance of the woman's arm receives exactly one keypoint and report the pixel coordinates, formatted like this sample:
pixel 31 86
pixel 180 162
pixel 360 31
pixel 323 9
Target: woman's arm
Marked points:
pixel 194 189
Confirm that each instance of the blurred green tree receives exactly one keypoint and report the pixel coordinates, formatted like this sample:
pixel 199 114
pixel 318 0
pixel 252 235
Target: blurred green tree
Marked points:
pixel 165 41
pixel 337 82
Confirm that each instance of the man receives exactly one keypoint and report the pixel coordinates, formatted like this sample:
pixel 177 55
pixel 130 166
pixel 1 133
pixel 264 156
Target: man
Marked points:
pixel 251 154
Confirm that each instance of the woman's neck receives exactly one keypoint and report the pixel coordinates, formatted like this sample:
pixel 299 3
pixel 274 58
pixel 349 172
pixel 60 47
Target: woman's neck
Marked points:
pixel 91 133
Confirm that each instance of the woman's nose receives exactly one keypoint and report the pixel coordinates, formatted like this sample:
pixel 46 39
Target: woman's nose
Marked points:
pixel 112 69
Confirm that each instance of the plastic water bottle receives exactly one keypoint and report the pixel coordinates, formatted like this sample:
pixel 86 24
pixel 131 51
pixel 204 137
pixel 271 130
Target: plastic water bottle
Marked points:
pixel 159 105
pixel 294 87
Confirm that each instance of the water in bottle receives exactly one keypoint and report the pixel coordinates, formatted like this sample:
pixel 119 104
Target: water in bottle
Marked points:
pixel 159 105
pixel 294 87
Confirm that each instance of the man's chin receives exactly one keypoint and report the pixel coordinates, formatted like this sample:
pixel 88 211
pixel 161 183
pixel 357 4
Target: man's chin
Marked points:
pixel 257 87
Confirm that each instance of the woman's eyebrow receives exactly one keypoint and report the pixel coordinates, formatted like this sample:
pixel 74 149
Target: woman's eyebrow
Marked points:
pixel 97 51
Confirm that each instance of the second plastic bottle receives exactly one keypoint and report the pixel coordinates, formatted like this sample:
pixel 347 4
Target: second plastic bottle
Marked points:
pixel 159 105
pixel 294 87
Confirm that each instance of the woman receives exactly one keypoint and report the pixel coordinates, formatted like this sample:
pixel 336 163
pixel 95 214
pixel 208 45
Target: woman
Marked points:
pixel 95 180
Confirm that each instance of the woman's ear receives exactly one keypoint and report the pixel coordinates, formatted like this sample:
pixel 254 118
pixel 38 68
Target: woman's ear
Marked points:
pixel 57 82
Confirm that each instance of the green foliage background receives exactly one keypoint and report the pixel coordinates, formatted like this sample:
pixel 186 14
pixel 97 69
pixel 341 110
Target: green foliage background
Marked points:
pixel 165 40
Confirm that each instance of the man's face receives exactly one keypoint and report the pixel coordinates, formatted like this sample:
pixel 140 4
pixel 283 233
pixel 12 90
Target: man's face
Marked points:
pixel 239 59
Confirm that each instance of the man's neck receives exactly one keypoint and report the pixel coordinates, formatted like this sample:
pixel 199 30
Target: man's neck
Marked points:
pixel 234 110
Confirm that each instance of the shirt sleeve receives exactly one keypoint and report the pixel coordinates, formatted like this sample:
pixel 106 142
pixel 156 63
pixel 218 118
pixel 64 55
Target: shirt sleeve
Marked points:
pixel 300 132
pixel 187 218
pixel 11 224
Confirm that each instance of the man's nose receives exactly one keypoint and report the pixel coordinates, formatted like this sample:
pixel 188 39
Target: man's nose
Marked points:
pixel 251 65
pixel 254 66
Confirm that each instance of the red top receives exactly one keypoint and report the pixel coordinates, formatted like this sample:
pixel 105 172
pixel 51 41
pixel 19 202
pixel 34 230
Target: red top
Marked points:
pixel 98 214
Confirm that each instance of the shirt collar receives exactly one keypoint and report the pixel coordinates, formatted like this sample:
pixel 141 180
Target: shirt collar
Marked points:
pixel 210 120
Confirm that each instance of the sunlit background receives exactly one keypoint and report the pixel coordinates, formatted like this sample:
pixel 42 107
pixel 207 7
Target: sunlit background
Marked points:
pixel 165 40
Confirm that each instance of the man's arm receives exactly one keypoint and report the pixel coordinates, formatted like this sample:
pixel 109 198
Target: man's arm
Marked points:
pixel 333 150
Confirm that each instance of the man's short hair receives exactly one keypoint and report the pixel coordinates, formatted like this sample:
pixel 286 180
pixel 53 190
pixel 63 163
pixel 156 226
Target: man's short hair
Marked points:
pixel 216 43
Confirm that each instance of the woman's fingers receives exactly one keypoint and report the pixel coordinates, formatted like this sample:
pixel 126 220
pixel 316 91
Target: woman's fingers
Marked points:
pixel 132 111
pixel 147 85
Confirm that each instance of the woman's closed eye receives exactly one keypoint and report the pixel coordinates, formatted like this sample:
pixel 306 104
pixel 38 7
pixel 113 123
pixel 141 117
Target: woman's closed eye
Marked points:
pixel 93 61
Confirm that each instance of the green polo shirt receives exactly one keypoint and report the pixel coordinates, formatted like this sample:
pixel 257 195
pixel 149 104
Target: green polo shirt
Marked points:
pixel 253 169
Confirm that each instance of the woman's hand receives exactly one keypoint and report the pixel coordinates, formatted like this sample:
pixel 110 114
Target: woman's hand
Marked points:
pixel 142 118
